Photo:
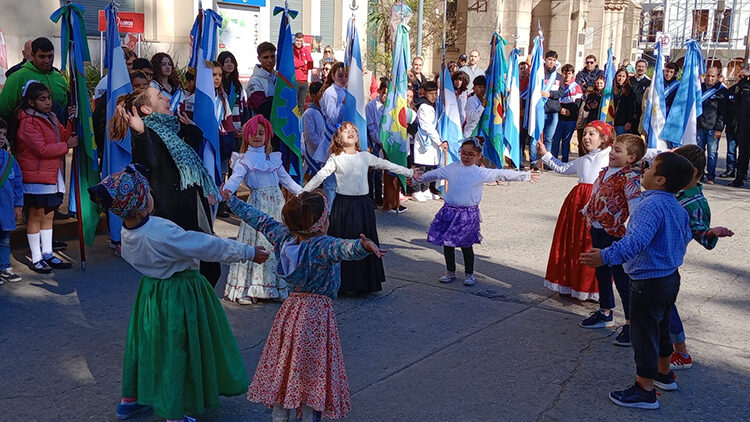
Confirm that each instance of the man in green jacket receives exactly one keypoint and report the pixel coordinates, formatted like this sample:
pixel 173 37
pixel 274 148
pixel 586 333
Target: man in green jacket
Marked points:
pixel 39 69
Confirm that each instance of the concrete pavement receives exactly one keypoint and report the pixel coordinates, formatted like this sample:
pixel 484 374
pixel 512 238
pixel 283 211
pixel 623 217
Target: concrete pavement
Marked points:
pixel 506 349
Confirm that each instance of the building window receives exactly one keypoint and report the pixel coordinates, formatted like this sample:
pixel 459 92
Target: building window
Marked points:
pixel 652 22
pixel 700 24
pixel 722 23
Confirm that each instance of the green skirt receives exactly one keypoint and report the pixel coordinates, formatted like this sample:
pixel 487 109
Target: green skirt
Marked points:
pixel 180 354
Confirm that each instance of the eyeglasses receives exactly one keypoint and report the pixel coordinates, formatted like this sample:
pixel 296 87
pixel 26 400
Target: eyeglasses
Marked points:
pixel 590 62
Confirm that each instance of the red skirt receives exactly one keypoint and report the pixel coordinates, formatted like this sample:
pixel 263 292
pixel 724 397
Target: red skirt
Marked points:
pixel 302 363
pixel 572 237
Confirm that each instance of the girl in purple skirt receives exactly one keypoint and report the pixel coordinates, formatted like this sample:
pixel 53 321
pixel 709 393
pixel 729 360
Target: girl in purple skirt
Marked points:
pixel 456 225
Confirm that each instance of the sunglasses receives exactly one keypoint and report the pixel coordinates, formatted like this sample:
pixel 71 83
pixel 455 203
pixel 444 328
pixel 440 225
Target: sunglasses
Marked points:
pixel 590 62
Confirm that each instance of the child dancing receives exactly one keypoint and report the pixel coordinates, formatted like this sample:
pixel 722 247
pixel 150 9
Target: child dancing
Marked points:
pixel 302 366
pixel 616 192
pixel 180 354
pixel 456 225
pixel 565 274
pixel 261 171
pixel 353 211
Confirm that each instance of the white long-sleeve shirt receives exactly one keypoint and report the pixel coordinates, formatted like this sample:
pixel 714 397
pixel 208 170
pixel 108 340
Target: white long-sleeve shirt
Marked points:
pixel 373 113
pixel 465 183
pixel 160 248
pixel 332 105
pixel 427 140
pixel 587 167
pixel 473 110
pixel 351 172
pixel 257 172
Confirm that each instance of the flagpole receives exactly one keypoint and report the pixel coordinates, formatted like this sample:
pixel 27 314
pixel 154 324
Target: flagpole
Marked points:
pixel 541 43
pixel 76 163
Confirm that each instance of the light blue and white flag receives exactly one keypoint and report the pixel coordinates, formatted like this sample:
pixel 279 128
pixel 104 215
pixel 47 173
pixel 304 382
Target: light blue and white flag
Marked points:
pixel 680 127
pixel 354 108
pixel 449 124
pixel 204 50
pixel 511 123
pixel 116 154
pixel 607 105
pixel 534 117
pixel 656 109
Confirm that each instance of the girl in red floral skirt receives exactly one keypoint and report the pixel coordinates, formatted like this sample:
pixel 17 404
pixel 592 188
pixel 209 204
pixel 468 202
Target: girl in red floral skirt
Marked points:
pixel 564 273
pixel 302 366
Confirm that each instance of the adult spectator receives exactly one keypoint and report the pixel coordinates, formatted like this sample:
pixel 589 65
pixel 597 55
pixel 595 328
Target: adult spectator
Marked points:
pixel 144 65
pixel 623 100
pixel 166 80
pixel 731 128
pixel 27 56
pixel 570 104
pixel 711 122
pixel 262 83
pixel 303 64
pixel 327 58
pixel 552 90
pixel 415 76
pixel 39 68
pixel 739 102
pixel 586 77
pixel 472 68
pixel 324 71
pixel 462 60
pixel 670 84
pixel 639 83
pixel 629 68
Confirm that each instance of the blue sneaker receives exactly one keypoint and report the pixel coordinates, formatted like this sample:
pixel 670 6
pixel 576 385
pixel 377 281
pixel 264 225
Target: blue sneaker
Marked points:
pixel 598 319
pixel 128 410
pixel 635 396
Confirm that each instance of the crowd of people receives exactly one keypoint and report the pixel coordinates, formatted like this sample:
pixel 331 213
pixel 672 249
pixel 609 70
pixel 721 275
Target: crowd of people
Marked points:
pixel 306 244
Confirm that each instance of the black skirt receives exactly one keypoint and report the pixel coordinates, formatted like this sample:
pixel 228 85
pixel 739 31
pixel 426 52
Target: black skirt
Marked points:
pixel 350 216
pixel 48 201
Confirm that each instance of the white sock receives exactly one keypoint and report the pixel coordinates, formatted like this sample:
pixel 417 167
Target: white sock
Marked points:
pixel 34 246
pixel 46 242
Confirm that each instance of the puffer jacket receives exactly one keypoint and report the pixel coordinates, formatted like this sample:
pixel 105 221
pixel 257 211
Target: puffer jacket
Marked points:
pixel 42 145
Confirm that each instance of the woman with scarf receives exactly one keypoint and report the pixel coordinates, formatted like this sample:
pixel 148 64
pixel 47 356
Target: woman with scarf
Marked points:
pixel 167 146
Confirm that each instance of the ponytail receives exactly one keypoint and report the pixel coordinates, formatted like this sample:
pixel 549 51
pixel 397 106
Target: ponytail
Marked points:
pixel 118 125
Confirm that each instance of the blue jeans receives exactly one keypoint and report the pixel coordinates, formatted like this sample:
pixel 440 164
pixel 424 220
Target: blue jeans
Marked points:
pixel 550 125
pixel 601 239
pixel 651 302
pixel 619 130
pixel 731 152
pixel 4 250
pixel 706 139
pixel 676 331
pixel 563 133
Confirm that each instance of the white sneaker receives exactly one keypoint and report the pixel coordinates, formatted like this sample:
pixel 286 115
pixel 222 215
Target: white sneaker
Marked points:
pixel 436 196
pixel 418 196
pixel 246 301
pixel 469 281
pixel 448 277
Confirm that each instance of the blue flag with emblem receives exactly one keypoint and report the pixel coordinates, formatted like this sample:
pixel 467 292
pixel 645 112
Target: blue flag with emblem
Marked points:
pixel 511 122
pixel 607 106
pixel 680 128
pixel 491 123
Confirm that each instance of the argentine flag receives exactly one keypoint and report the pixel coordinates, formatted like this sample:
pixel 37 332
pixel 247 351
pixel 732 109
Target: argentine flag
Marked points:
pixel 116 154
pixel 534 117
pixel 680 128
pixel 205 47
pixel 511 123
pixel 354 108
pixel 449 125
pixel 653 116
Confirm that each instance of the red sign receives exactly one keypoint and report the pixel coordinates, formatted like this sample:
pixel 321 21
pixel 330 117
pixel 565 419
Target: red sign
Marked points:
pixel 128 22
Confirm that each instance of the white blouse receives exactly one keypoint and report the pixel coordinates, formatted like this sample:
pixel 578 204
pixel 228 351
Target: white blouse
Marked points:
pixel 160 248
pixel 351 172
pixel 465 183
pixel 587 167
pixel 257 172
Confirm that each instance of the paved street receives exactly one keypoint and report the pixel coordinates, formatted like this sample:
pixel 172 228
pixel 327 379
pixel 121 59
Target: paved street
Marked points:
pixel 506 349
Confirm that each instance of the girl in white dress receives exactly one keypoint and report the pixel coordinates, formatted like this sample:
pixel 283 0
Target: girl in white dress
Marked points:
pixel 261 171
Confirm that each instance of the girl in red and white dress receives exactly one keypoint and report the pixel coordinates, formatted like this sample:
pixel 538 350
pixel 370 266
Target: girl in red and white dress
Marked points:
pixel 564 273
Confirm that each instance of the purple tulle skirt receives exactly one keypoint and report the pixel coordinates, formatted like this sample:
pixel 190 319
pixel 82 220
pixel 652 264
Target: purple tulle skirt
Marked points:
pixel 456 226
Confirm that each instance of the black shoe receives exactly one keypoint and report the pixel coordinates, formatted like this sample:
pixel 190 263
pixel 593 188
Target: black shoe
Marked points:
pixel 728 173
pixel 41 267
pixel 635 396
pixel 737 183
pixel 222 211
pixel 59 246
pixel 666 382
pixel 534 167
pixel 57 263
pixel 623 339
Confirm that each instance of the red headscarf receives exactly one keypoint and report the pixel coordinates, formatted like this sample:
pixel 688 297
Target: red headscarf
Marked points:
pixel 604 128
pixel 251 128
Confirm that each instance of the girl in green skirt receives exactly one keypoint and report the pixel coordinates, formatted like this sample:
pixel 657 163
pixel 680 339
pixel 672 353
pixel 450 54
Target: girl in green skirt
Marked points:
pixel 180 354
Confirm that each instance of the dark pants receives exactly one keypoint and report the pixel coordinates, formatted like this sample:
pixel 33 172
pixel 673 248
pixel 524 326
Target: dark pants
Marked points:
pixel 651 301
pixel 676 331
pixel 743 143
pixel 601 239
pixel 212 271
pixel 375 183
pixel 563 133
pixel 450 259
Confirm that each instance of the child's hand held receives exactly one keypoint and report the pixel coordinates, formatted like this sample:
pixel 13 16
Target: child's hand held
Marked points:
pixel 592 258
pixel 261 255
pixel 535 175
pixel 721 232
pixel 72 142
pixel 225 193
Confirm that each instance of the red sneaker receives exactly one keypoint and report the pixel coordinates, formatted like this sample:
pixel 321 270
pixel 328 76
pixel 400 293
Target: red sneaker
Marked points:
pixel 678 361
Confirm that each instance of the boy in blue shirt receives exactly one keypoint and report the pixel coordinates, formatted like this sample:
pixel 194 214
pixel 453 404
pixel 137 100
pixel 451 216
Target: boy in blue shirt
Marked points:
pixel 651 251
pixel 11 203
